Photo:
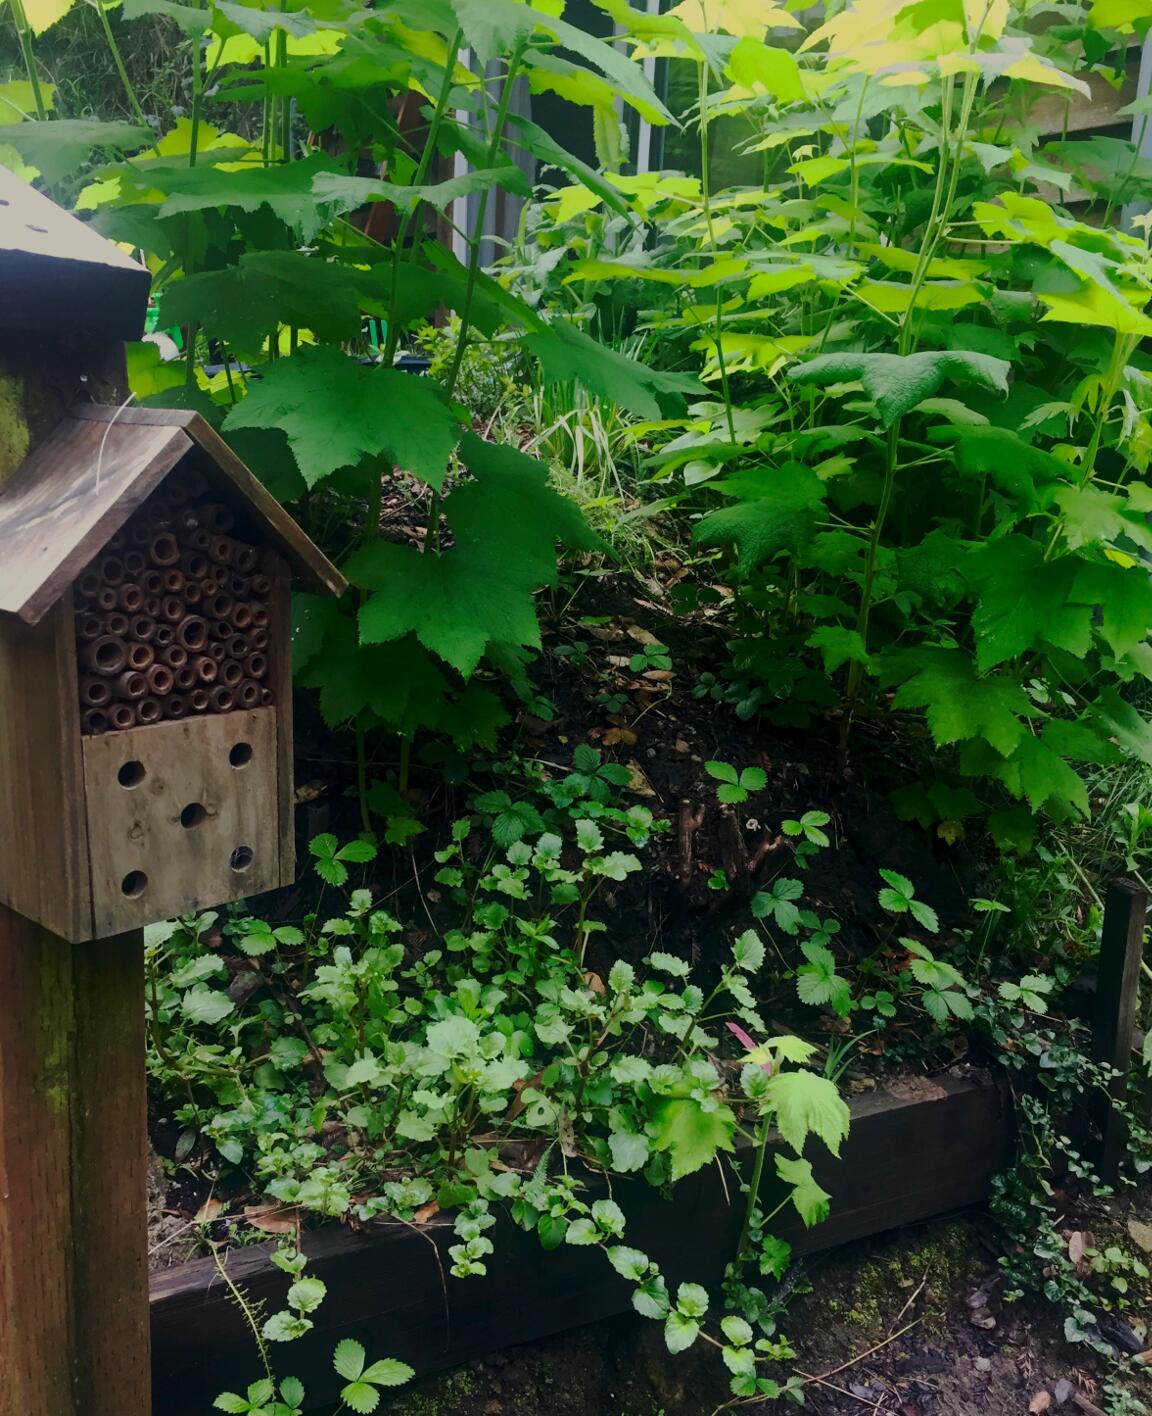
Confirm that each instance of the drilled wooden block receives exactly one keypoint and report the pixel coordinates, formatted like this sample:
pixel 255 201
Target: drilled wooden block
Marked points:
pixel 182 816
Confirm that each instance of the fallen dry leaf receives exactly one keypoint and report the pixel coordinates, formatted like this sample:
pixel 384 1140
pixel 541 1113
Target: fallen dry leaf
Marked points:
pixel 273 1219
pixel 594 982
pixel 1040 1402
pixel 1076 1247
pixel 638 783
pixel 209 1210
pixel 615 736
pixel 425 1212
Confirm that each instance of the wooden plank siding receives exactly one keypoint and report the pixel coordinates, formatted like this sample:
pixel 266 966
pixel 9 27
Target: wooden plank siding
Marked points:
pixel 908 1157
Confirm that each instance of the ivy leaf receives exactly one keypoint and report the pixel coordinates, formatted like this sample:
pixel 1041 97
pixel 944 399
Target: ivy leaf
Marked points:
pixel 810 1200
pixel 807 1104
pixel 456 603
pixel 1025 602
pixel 59 148
pixel 778 511
pixel 691 1135
pixel 568 355
pixel 960 704
pixel 335 411
pixel 896 383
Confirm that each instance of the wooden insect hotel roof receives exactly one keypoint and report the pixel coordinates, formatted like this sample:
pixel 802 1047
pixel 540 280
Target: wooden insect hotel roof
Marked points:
pixel 57 273
pixel 77 489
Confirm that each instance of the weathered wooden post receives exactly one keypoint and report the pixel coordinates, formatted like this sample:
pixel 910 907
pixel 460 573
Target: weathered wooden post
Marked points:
pixel 145 771
pixel 1114 1020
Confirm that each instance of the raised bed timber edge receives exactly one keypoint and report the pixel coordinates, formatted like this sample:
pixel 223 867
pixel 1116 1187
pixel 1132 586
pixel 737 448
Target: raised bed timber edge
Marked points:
pixel 915 1150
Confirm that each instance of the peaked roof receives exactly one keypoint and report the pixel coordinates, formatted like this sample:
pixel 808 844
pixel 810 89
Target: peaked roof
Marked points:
pixel 70 496
pixel 58 274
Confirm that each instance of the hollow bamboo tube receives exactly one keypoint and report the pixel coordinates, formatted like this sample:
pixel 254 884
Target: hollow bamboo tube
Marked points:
pixel 195 565
pixel 140 534
pixel 207 669
pixel 223 699
pixel 160 680
pixel 121 716
pixel 140 657
pixel 242 616
pixel 131 686
pixel 105 656
pixel 172 609
pixel 152 606
pixel 238 647
pixel 165 635
pixel 106 598
pixel 245 558
pixel 231 673
pixel 186 679
pixel 220 549
pixel 258 666
pixel 239 587
pixel 89 626
pixel 88 585
pixel 142 628
pixel 112 571
pixel 193 593
pixel 95 692
pixel 265 696
pixel 131 599
pixel 175 656
pixel 217 518
pixel 219 607
pixel 95 721
pixel 261 585
pixel 174 582
pixel 117 624
pixel 248 694
pixel 200 539
pixel 175 706
pixel 192 633
pixel 259 638
pixel 135 564
pixel 152 582
pixel 164 550
pixel 216 652
pixel 222 631
pixel 117 543
pixel 148 711
pixel 199 701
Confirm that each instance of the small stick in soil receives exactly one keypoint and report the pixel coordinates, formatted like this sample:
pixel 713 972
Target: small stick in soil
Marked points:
pixel 852 1361
pixel 691 819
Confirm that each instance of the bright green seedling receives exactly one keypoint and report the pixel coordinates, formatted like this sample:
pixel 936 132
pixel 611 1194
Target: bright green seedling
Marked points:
pixel 362 1394
pixel 736 787
pixel 650 656
pixel 778 903
pixel 332 859
pixel 898 896
pixel 944 988
pixel 811 827
pixel 1030 993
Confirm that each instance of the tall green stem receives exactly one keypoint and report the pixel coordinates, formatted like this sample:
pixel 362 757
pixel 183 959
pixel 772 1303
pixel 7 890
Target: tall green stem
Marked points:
pixel 706 198
pixel 24 33
pixel 118 60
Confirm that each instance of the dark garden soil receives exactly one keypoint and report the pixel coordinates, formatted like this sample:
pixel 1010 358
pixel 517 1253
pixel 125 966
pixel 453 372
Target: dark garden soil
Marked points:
pixel 908 1325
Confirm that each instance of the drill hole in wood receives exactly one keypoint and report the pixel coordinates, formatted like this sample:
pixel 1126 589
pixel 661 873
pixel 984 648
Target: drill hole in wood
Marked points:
pixel 193 815
pixel 131 774
pixel 134 884
pixel 241 754
pixel 241 859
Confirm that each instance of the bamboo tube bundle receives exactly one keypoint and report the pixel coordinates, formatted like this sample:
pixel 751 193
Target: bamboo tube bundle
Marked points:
pixel 172 618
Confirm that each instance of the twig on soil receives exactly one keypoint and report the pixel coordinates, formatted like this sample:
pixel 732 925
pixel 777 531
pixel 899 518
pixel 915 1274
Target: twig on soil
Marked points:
pixel 863 1400
pixel 691 819
pixel 852 1361
pixel 904 1309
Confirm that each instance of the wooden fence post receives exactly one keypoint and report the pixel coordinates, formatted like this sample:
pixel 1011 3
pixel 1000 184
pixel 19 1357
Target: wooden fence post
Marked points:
pixel 73 1175
pixel 1114 1021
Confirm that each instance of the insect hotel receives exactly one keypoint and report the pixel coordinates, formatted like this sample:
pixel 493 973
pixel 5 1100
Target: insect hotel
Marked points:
pixel 145 772
pixel 145 642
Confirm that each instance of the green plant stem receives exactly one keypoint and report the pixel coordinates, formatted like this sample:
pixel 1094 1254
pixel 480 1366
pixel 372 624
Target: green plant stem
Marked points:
pixel 118 60
pixel 24 33
pixel 706 198
pixel 246 1308
pixel 754 1186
